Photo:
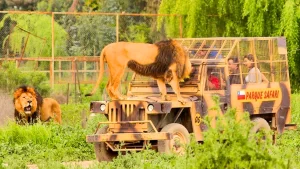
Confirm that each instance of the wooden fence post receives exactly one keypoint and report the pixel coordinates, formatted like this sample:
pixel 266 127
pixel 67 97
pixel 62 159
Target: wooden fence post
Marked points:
pixel 52 54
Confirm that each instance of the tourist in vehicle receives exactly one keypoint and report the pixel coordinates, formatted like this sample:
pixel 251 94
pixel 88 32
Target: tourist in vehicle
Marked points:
pixel 233 66
pixel 213 81
pixel 201 53
pixel 254 74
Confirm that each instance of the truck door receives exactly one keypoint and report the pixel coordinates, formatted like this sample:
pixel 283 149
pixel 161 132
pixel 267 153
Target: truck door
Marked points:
pixel 214 85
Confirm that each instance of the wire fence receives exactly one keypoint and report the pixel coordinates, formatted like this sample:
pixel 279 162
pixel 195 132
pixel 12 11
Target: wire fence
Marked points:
pixel 66 46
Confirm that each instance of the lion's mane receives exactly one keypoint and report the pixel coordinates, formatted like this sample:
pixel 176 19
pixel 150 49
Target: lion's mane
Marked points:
pixel 168 54
pixel 37 101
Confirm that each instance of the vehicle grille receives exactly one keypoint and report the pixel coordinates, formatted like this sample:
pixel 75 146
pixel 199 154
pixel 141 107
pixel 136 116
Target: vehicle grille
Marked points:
pixel 125 111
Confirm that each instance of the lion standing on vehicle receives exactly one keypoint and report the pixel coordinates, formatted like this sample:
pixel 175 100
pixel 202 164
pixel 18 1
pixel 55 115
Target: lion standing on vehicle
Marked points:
pixel 31 107
pixel 165 61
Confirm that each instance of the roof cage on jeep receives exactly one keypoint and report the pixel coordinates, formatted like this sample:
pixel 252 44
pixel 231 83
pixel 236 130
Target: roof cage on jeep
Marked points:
pixel 224 47
pixel 270 53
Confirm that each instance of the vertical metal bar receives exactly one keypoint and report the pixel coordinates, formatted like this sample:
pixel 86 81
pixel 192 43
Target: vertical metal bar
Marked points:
pixel 180 25
pixel 255 58
pixel 59 73
pixel 52 53
pixel 240 65
pixel 280 72
pixel 117 27
pixel 85 71
pixel 68 93
pixel 73 70
pixel 130 112
pixel 78 81
pixel 127 111
pixel 271 50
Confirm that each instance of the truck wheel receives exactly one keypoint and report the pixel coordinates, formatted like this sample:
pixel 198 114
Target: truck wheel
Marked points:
pixel 261 125
pixel 180 138
pixel 103 153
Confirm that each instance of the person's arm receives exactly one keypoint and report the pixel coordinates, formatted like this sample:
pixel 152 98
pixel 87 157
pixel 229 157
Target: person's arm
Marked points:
pixel 264 79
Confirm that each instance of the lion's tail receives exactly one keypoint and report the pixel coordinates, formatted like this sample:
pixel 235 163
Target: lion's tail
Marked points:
pixel 101 72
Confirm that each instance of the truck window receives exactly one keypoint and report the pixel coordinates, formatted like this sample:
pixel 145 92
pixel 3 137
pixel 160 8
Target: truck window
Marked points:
pixel 215 79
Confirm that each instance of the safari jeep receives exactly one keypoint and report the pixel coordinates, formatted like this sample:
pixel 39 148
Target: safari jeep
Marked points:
pixel 144 118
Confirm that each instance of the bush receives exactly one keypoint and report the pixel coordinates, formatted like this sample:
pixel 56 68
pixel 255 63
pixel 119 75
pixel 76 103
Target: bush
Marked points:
pixel 229 145
pixel 39 143
pixel 17 78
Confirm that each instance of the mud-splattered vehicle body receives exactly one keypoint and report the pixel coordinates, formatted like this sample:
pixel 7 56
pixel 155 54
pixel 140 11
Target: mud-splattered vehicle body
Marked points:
pixel 144 118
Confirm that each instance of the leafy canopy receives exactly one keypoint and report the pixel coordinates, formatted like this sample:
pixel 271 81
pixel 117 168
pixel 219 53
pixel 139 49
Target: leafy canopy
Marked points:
pixel 238 18
pixel 38 27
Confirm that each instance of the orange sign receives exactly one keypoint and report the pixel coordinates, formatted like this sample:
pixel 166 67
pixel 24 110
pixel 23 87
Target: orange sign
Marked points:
pixel 259 94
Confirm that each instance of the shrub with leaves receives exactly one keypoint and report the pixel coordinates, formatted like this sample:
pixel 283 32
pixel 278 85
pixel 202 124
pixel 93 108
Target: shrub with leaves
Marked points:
pixel 11 78
pixel 39 143
pixel 38 25
pixel 229 145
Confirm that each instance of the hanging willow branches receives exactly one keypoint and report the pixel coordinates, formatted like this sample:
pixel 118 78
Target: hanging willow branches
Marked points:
pixel 36 29
pixel 240 18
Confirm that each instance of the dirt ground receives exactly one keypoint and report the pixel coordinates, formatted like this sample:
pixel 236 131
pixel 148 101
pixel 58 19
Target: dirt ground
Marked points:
pixel 6 108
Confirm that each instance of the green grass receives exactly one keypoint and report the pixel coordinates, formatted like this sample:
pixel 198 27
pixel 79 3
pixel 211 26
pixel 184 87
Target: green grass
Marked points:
pixel 49 145
pixel 32 144
pixel 295 108
pixel 41 143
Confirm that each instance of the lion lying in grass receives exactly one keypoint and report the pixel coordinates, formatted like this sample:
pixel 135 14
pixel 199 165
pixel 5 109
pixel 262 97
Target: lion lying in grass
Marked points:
pixel 165 61
pixel 31 107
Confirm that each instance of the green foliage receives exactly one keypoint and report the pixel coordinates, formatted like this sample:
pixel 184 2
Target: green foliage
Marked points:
pixel 43 6
pixel 137 33
pixel 288 142
pixel 40 44
pixel 40 142
pixel 38 80
pixel 49 144
pixel 238 18
pixel 93 5
pixel 223 18
pixel 289 27
pixel 93 33
pixel 131 28
pixel 74 117
pixel 55 5
pixel 229 145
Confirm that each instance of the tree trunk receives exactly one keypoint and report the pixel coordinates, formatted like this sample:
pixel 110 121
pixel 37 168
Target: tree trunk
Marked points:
pixel 73 6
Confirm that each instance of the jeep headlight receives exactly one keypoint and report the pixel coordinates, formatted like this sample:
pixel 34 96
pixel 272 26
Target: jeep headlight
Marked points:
pixel 102 107
pixel 150 107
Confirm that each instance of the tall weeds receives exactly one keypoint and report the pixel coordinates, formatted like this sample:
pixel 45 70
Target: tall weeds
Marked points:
pixel 230 145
